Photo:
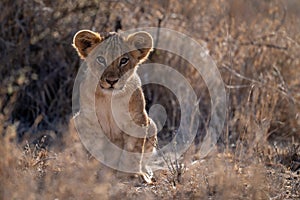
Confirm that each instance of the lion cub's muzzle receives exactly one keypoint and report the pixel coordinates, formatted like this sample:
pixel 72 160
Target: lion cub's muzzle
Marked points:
pixel 109 82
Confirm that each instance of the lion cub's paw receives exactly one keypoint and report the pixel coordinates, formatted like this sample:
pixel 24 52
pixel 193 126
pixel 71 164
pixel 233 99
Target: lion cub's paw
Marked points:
pixel 147 178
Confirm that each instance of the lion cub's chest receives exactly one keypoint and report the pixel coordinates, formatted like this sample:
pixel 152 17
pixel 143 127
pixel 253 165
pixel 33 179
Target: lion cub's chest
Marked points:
pixel 109 114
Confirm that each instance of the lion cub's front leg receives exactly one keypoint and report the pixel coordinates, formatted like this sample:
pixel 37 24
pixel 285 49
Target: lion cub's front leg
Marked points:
pixel 139 145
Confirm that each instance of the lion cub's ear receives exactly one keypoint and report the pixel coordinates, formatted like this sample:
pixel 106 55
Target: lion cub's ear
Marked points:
pixel 84 41
pixel 142 44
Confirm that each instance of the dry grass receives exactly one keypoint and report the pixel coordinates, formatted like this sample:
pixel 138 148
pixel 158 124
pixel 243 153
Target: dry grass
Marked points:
pixel 256 46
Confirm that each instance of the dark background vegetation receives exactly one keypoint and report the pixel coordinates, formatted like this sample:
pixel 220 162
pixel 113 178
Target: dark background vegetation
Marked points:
pixel 256 46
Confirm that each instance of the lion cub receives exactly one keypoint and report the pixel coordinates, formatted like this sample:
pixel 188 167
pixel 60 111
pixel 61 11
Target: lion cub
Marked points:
pixel 119 101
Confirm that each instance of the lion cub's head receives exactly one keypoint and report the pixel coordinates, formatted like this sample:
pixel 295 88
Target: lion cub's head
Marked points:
pixel 113 56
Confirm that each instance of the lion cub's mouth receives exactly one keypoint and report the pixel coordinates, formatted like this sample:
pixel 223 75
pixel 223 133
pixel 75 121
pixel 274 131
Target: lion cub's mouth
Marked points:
pixel 108 87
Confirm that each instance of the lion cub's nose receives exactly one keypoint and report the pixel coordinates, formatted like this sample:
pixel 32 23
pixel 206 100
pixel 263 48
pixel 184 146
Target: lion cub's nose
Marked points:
pixel 111 81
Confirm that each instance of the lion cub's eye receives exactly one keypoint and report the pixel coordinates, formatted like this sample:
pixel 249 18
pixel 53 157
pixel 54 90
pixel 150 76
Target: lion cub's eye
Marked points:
pixel 101 60
pixel 124 61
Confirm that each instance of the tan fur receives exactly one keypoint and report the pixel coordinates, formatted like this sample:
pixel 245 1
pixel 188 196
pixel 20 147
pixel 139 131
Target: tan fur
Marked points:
pixel 124 82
